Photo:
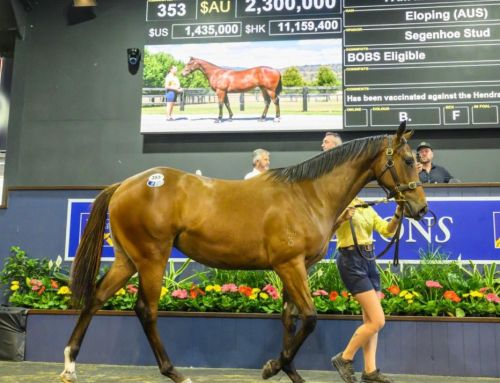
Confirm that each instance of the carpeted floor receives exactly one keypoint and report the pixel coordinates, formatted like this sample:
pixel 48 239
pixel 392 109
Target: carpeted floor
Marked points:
pixel 31 372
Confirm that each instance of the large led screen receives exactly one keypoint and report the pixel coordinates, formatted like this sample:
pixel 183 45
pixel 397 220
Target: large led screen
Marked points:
pixel 291 85
pixel 433 63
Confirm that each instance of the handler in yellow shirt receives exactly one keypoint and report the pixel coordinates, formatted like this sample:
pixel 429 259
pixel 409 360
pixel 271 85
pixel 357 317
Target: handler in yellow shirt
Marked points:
pixel 361 277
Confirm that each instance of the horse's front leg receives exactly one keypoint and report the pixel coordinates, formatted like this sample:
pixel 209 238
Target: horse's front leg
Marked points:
pixel 221 95
pixel 294 277
pixel 289 318
pixel 146 308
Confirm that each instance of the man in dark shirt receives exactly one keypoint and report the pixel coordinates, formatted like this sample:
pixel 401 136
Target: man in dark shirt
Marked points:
pixel 428 172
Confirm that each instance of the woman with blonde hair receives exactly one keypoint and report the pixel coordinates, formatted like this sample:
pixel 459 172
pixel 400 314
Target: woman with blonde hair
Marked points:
pixel 358 271
pixel 172 88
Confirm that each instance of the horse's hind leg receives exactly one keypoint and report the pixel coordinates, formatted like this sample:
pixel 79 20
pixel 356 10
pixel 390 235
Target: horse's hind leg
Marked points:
pixel 294 277
pixel 276 101
pixel 267 100
pixel 226 102
pixel 121 270
pixel 150 282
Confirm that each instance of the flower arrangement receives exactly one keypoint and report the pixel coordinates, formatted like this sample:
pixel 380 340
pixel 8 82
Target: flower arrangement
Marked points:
pixel 434 287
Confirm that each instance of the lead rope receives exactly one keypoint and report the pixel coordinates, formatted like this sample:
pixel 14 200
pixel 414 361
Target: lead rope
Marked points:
pixel 394 240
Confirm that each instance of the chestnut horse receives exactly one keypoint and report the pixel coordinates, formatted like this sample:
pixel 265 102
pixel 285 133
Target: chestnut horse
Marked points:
pixel 224 81
pixel 281 220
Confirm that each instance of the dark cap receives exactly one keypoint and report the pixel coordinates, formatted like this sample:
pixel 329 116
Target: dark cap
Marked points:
pixel 424 144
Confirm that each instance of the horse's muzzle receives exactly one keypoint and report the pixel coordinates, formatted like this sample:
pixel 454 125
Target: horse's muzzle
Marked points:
pixel 415 213
pixel 422 212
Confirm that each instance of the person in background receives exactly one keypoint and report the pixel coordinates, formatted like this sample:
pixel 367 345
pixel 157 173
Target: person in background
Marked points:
pixel 261 161
pixel 172 88
pixel 358 271
pixel 427 171
pixel 330 141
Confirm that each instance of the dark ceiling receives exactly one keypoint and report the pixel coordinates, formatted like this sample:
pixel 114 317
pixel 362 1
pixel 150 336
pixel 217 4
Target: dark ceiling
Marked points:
pixel 8 28
pixel 12 23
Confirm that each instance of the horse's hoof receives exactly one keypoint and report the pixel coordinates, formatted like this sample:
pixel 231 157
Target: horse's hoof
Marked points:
pixel 270 369
pixel 218 121
pixel 277 119
pixel 68 377
pixel 187 381
pixel 230 119
pixel 262 120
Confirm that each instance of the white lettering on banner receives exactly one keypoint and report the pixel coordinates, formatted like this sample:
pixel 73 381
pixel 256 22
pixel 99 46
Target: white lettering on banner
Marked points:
pixel 456 217
pixel 426 234
pixel 427 231
pixel 444 229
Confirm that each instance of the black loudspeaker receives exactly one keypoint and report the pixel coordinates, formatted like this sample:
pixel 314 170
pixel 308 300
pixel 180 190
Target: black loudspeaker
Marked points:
pixel 133 59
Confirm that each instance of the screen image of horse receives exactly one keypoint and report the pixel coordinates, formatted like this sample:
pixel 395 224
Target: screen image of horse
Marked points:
pixel 251 86
pixel 294 214
pixel 224 81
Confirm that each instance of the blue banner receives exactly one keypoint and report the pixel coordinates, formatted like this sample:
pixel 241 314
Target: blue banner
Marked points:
pixel 78 215
pixel 467 228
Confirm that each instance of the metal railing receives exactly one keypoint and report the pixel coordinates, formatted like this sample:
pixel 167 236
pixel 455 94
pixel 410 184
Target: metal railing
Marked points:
pixel 196 96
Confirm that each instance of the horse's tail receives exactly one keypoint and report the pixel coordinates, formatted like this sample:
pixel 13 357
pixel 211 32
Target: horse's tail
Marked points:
pixel 279 88
pixel 88 256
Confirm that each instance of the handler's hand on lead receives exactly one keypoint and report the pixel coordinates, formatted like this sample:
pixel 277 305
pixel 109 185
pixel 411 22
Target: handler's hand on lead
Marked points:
pixel 347 214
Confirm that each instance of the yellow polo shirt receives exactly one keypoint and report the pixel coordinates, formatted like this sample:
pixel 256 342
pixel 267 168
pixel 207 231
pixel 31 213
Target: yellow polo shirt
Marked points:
pixel 365 221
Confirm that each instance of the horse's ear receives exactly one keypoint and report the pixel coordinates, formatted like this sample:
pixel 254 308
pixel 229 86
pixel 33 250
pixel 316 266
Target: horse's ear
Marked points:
pixel 401 129
pixel 409 134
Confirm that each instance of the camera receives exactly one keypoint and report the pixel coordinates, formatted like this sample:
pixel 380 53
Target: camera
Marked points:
pixel 133 59
pixel 134 56
pixel 418 157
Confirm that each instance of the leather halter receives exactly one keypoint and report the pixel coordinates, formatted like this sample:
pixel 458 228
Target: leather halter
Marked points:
pixel 397 191
pixel 399 188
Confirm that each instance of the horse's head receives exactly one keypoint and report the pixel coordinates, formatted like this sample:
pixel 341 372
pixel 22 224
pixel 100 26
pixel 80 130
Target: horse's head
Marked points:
pixel 395 171
pixel 191 66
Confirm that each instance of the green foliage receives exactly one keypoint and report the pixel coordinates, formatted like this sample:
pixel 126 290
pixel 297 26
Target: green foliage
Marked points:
pixel 292 77
pixel 326 77
pixel 18 265
pixel 325 276
pixel 195 80
pixel 238 277
pixel 436 287
pixel 157 65
pixel 172 275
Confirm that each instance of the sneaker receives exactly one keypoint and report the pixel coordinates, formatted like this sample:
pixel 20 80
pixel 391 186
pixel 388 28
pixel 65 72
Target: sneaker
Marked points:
pixel 375 377
pixel 344 367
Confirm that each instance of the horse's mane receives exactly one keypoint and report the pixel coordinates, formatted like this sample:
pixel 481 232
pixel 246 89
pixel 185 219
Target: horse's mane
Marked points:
pixel 323 163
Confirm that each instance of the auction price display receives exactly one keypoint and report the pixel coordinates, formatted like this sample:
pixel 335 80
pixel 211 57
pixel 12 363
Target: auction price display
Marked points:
pixel 434 63
pixel 175 21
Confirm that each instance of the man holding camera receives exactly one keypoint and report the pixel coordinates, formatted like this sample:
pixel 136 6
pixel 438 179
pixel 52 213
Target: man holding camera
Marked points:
pixel 427 171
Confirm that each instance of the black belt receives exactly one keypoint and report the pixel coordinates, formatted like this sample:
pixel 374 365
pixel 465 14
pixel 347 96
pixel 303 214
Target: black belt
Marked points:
pixel 368 247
